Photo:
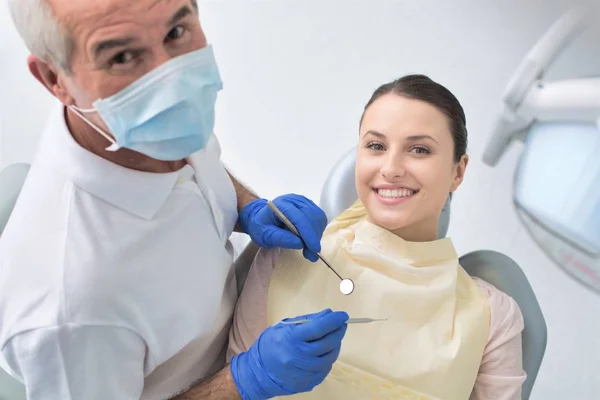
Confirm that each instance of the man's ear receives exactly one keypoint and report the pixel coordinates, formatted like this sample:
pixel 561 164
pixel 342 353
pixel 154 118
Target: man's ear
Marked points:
pixel 459 173
pixel 48 76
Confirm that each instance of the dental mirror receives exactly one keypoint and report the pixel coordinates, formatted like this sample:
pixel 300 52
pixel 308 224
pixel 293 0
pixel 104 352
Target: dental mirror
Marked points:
pixel 346 286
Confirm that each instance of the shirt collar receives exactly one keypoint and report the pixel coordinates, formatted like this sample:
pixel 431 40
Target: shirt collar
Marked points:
pixel 139 193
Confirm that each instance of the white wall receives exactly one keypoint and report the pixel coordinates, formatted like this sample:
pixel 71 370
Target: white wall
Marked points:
pixel 297 74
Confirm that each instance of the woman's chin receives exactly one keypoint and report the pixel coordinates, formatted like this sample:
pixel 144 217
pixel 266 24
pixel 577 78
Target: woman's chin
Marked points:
pixel 391 223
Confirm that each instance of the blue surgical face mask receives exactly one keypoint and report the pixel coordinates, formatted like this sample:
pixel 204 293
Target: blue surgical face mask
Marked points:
pixel 167 114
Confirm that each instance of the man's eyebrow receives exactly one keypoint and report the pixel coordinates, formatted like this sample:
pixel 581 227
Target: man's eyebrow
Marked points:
pixel 121 42
pixel 111 44
pixel 179 15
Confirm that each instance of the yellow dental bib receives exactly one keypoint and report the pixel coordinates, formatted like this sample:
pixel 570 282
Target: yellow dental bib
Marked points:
pixel 431 346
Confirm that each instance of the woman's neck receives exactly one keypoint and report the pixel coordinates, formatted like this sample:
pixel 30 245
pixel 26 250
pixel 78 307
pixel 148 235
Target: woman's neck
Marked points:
pixel 410 234
pixel 423 231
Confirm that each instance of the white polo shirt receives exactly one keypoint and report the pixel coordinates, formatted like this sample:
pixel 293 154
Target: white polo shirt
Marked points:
pixel 116 284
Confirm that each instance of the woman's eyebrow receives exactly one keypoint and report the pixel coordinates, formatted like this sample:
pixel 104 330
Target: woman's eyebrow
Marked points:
pixel 375 133
pixel 412 138
pixel 415 138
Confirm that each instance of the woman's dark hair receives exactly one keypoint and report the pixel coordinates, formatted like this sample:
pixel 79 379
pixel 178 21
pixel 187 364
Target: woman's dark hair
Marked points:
pixel 421 87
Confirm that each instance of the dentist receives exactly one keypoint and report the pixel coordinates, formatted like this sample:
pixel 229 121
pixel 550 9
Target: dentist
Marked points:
pixel 116 278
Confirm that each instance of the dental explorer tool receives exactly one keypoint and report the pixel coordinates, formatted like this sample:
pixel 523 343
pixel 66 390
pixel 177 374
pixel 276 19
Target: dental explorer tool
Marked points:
pixel 346 284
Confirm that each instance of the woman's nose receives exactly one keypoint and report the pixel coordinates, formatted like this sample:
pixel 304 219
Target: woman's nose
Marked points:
pixel 393 167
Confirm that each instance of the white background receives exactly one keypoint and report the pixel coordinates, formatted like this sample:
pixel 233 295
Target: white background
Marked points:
pixel 297 74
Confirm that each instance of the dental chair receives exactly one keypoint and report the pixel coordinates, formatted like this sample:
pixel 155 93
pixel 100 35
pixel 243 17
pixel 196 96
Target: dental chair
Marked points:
pixel 11 182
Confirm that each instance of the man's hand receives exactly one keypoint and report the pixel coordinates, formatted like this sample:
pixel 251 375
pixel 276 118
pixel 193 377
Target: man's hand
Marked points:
pixel 265 229
pixel 290 359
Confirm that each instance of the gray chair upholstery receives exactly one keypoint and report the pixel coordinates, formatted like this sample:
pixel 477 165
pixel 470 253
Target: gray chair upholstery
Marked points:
pixel 339 193
pixel 11 389
pixel 506 275
pixel 11 182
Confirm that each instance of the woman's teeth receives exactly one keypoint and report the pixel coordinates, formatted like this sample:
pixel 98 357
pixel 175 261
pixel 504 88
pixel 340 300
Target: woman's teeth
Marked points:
pixel 395 193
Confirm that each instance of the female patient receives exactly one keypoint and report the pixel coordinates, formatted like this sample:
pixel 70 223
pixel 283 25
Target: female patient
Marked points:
pixel 447 336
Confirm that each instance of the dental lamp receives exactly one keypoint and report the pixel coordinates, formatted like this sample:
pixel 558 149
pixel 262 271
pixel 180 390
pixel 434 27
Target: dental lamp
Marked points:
pixel 557 181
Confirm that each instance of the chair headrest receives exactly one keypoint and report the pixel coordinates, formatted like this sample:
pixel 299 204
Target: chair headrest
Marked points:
pixel 339 191
pixel 11 182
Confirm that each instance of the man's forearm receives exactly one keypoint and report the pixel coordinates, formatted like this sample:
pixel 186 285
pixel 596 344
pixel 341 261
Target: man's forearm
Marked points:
pixel 244 196
pixel 220 387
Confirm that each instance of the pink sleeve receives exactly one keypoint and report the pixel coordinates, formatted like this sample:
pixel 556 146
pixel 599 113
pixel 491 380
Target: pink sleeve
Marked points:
pixel 250 317
pixel 501 373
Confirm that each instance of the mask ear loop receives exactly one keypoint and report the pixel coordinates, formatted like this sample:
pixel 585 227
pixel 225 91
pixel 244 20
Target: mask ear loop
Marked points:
pixel 79 112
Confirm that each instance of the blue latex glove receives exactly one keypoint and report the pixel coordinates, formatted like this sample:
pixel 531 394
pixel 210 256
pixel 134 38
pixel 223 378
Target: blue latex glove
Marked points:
pixel 265 229
pixel 290 359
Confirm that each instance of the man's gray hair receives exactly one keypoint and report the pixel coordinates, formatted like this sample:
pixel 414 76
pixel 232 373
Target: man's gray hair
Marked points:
pixel 42 32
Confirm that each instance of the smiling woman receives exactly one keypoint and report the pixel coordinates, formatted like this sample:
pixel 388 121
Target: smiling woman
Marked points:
pixel 411 155
pixel 445 335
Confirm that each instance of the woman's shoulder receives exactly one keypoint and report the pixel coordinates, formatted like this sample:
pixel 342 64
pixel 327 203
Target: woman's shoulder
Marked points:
pixel 264 262
pixel 506 317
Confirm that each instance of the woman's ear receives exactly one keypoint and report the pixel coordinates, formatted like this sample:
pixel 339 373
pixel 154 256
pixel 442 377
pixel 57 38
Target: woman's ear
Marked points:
pixel 459 172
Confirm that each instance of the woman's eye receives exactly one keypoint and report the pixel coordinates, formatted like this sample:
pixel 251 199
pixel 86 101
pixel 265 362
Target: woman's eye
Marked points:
pixel 421 150
pixel 176 33
pixel 375 146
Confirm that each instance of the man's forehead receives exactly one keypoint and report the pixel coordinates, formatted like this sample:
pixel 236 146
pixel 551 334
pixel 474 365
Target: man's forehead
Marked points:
pixel 74 11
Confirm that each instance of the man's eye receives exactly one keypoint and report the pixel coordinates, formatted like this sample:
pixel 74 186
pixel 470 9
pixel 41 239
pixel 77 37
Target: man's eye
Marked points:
pixel 176 33
pixel 123 58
